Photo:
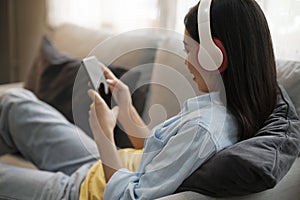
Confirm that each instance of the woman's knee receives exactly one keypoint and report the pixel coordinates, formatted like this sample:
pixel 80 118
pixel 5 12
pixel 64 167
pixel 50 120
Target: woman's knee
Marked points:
pixel 17 95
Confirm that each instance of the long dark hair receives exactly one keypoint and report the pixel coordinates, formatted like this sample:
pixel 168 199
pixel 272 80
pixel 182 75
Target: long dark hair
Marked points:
pixel 250 79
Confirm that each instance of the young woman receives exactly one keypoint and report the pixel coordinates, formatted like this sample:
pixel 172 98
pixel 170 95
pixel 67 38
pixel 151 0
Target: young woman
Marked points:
pixel 240 95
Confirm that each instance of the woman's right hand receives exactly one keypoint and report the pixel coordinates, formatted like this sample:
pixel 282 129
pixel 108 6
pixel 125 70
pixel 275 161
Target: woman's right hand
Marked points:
pixel 119 90
pixel 128 116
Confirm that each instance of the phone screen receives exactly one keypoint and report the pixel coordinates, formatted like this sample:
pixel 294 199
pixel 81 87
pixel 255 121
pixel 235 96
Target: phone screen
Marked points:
pixel 93 68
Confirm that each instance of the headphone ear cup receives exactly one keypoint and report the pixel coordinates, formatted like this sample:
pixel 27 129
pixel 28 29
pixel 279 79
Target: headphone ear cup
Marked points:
pixel 224 64
pixel 203 57
pixel 211 53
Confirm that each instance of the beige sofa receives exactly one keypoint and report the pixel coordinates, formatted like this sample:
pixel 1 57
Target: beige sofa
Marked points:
pixel 171 83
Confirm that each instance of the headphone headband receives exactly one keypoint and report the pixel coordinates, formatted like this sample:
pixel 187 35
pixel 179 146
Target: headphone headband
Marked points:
pixel 210 57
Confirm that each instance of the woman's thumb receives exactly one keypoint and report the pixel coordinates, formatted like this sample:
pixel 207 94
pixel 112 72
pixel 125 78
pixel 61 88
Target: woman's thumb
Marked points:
pixel 115 111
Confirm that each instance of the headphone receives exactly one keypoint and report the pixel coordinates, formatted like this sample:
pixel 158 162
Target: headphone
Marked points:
pixel 210 51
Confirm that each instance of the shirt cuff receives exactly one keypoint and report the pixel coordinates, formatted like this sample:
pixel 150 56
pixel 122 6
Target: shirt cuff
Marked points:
pixel 121 185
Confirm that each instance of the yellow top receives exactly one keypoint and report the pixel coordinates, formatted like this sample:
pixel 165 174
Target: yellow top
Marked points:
pixel 94 184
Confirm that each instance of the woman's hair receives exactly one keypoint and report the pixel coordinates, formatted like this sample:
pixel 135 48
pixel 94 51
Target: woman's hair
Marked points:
pixel 250 80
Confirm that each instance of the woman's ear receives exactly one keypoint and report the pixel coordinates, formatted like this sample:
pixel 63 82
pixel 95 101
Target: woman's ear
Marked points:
pixel 224 64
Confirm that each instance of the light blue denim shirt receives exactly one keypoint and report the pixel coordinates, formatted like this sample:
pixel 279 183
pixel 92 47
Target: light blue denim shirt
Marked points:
pixel 176 148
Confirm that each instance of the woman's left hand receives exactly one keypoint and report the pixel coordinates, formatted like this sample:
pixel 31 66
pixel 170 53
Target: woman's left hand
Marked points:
pixel 102 119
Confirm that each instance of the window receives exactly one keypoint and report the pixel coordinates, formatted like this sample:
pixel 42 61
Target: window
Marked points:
pixel 283 17
pixel 284 21
pixel 118 15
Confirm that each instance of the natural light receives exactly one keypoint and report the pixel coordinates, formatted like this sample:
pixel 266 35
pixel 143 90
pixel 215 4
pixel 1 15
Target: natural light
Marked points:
pixel 120 16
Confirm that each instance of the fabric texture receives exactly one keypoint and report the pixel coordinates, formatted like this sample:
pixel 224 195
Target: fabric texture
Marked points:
pixel 39 133
pixel 255 164
pixel 57 79
pixel 175 148
pixel 94 184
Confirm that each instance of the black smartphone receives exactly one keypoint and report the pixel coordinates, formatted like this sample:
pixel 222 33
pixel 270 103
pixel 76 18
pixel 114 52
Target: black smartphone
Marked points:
pixel 94 71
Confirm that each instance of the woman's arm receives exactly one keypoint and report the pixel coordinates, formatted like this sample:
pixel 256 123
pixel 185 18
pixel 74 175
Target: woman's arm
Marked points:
pixel 102 121
pixel 109 156
pixel 128 116
pixel 134 126
pixel 163 168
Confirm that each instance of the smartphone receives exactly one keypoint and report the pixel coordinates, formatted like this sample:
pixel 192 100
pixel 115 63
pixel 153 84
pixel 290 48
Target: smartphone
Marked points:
pixel 94 71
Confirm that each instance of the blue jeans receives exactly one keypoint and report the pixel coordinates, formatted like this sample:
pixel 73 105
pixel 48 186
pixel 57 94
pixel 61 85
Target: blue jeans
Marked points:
pixel 62 152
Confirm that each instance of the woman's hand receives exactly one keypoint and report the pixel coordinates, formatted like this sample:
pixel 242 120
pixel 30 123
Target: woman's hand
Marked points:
pixel 102 119
pixel 119 90
pixel 102 122
pixel 128 116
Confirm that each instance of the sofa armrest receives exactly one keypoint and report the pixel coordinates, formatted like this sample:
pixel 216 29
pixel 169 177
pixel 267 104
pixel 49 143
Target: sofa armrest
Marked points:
pixel 4 87
pixel 186 196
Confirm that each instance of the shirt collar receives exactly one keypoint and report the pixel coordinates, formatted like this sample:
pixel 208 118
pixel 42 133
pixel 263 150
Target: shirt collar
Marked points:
pixel 201 101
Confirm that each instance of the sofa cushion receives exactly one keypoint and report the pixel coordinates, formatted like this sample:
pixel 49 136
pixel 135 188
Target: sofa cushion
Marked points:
pixel 77 41
pixel 58 79
pixel 129 49
pixel 252 165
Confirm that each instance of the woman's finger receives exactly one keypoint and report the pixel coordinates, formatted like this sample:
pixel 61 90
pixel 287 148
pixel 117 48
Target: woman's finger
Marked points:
pixel 98 100
pixel 115 112
pixel 95 97
pixel 115 84
pixel 111 84
pixel 91 94
pixel 108 74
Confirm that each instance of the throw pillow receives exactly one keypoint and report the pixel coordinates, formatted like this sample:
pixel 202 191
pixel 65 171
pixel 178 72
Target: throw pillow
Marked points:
pixel 53 78
pixel 252 165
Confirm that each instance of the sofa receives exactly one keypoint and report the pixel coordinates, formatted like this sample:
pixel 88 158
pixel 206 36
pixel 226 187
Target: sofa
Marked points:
pixel 159 58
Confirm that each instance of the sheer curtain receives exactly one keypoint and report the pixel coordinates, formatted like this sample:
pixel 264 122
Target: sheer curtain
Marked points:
pixel 122 15
pixel 284 20
pixel 118 15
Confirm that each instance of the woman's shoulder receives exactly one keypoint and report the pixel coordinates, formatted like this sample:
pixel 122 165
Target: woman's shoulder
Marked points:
pixel 205 110
pixel 211 115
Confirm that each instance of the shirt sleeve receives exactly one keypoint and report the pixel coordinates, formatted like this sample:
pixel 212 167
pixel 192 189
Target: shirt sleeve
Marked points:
pixel 181 155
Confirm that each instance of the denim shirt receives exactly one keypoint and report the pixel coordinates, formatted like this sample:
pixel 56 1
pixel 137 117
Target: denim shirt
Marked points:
pixel 176 148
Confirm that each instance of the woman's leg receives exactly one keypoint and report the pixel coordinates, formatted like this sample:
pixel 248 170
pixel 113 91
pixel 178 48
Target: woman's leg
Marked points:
pixel 42 135
pixel 28 184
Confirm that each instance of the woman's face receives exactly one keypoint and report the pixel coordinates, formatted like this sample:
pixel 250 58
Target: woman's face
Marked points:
pixel 191 48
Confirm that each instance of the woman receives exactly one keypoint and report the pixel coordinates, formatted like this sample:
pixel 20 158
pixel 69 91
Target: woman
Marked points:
pixel 172 150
